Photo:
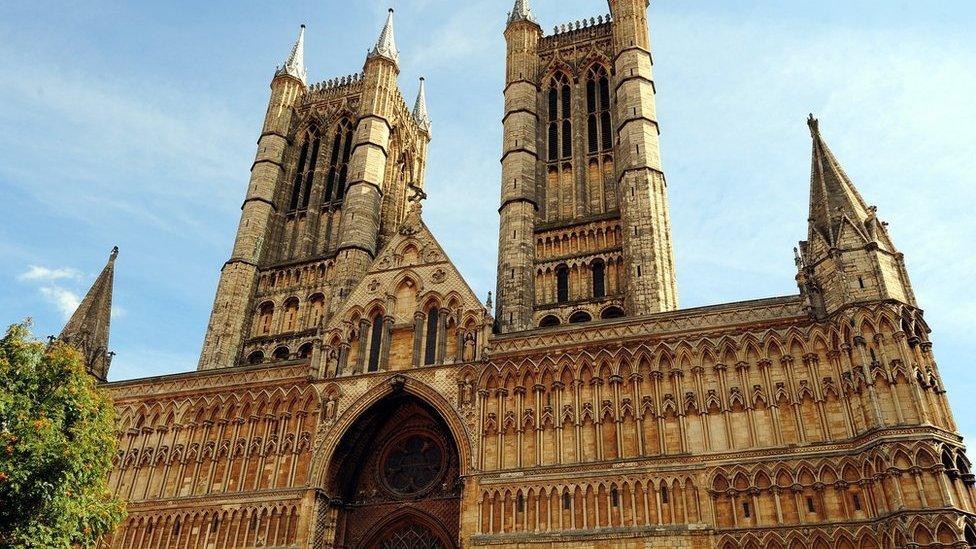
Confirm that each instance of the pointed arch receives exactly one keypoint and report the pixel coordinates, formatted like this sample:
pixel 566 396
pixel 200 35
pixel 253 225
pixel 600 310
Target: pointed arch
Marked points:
pixel 397 383
pixel 339 155
pixel 558 114
pixel 302 181
pixel 598 106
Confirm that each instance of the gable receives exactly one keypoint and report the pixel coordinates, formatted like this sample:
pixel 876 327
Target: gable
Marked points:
pixel 411 274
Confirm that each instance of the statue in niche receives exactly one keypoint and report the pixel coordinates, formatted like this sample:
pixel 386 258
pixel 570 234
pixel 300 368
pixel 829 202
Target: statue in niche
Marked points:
pixel 469 347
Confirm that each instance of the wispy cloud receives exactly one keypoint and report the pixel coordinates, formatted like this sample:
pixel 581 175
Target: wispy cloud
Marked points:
pixel 46 274
pixel 65 300
pixel 50 286
pixel 128 132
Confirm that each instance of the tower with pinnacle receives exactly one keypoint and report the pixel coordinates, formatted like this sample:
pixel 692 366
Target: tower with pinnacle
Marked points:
pixel 584 225
pixel 848 257
pixel 328 189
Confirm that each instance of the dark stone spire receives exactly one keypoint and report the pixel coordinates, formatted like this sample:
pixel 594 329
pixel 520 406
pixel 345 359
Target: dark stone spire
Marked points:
pixel 88 328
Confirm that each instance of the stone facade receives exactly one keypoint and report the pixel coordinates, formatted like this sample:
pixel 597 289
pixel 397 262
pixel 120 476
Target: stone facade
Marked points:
pixel 354 392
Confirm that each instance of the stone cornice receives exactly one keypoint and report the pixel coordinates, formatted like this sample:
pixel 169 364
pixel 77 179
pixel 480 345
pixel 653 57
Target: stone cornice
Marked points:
pixel 205 380
pixel 268 498
pixel 726 317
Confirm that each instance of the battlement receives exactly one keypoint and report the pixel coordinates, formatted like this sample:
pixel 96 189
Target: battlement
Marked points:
pixel 577 31
pixel 335 86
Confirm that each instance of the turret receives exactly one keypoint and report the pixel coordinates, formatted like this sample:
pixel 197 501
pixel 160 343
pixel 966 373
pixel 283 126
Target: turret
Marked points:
pixel 649 276
pixel 420 114
pixel 421 117
pixel 848 256
pixel 238 276
pixel 519 203
pixel 88 328
pixel 360 222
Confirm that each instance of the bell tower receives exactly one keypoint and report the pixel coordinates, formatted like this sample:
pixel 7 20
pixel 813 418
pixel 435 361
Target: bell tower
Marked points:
pixel 328 188
pixel 585 232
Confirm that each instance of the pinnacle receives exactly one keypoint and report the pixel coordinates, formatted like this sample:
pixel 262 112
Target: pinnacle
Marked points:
pixel 295 64
pixel 521 12
pixel 833 196
pixel 386 43
pixel 420 114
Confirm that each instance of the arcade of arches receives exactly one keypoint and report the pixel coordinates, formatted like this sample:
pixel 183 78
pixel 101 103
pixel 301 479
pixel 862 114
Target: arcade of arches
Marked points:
pixel 564 441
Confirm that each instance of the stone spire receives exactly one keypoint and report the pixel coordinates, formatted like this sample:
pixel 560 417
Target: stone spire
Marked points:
pixel 420 114
pixel 295 64
pixel 386 44
pixel 848 257
pixel 88 328
pixel 521 12
pixel 833 198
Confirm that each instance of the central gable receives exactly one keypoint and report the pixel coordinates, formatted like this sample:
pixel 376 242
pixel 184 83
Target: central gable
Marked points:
pixel 412 308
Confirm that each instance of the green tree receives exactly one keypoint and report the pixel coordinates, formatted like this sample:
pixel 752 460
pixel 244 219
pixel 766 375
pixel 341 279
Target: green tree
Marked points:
pixel 57 440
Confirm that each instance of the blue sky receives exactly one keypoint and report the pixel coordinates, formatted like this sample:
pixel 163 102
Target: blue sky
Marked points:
pixel 135 124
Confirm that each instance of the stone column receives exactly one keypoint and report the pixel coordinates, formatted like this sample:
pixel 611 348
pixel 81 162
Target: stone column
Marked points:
pixel 418 338
pixel 441 336
pixel 387 342
pixel 364 330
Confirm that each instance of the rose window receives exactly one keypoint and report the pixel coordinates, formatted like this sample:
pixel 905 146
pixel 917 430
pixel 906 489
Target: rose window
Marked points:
pixel 413 464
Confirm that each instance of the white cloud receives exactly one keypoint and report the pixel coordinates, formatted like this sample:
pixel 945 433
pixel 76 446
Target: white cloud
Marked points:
pixel 36 273
pixel 65 300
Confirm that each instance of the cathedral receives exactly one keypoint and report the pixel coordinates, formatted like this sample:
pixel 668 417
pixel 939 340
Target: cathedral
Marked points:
pixel 354 392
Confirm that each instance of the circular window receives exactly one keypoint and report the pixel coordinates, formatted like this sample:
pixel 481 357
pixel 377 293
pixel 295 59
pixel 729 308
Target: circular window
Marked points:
pixel 413 463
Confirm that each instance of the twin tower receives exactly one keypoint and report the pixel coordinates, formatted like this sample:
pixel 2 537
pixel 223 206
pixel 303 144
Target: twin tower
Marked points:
pixel 585 231
pixel 329 186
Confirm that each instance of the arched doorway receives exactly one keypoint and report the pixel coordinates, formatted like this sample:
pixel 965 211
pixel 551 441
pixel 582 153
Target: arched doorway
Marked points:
pixel 395 478
pixel 408 530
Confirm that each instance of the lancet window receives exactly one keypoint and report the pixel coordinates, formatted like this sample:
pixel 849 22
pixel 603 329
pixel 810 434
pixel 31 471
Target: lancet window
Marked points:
pixel 430 350
pixel 560 128
pixel 305 172
pixel 335 184
pixel 562 284
pixel 599 134
pixel 375 340
pixel 265 316
pixel 599 279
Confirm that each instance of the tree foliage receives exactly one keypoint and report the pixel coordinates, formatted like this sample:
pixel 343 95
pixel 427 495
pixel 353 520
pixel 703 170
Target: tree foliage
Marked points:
pixel 57 440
